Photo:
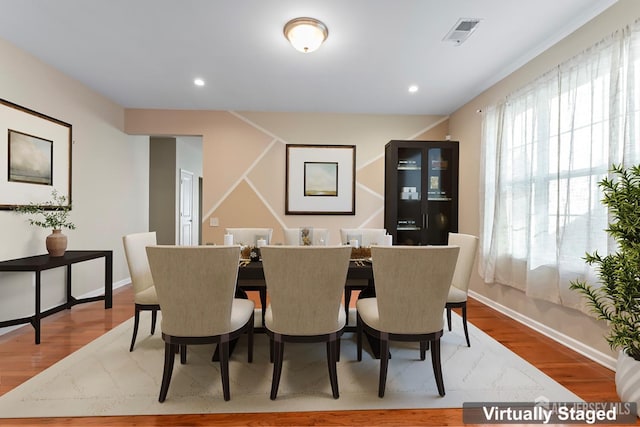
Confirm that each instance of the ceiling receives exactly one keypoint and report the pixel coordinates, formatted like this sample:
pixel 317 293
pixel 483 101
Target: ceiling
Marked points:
pixel 146 53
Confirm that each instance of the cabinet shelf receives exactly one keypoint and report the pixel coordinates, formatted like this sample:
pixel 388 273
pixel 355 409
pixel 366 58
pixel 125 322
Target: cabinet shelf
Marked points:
pixel 409 168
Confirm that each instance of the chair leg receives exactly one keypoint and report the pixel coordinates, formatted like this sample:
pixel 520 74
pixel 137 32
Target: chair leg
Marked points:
pixel 359 337
pixel 464 324
pixel 136 322
pixel 224 366
pixel 154 317
pixel 449 318
pixel 271 350
pixel 250 341
pixel 384 363
pixel 424 346
pixel 332 353
pixel 169 355
pixel 277 364
pixel 183 354
pixel 437 367
pixel 347 300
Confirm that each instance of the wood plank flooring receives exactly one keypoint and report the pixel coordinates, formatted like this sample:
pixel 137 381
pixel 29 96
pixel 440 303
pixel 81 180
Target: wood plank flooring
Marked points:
pixel 67 331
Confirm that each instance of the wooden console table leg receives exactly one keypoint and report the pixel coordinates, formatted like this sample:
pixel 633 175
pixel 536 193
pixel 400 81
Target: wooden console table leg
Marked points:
pixel 69 296
pixel 108 279
pixel 37 316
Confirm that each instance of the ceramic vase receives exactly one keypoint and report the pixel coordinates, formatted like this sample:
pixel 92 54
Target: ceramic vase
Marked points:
pixel 628 379
pixel 56 243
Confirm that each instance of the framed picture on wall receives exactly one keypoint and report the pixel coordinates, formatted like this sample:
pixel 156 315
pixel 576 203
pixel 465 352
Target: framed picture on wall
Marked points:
pixel 35 156
pixel 30 158
pixel 320 180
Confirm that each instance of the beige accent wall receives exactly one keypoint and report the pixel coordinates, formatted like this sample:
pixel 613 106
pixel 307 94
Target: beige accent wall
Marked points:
pixel 465 125
pixel 244 156
pixel 109 184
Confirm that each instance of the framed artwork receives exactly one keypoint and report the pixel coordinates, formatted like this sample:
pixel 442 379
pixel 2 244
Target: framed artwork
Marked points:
pixel 35 156
pixel 320 180
pixel 30 158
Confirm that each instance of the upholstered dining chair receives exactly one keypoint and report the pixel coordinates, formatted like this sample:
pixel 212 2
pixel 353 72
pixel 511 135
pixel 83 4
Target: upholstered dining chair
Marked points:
pixel 144 292
pixel 306 236
pixel 305 286
pixel 365 236
pixel 459 289
pixel 250 236
pixel 411 291
pixel 196 286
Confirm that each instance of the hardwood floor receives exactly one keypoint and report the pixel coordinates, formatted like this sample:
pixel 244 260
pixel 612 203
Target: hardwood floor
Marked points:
pixel 67 331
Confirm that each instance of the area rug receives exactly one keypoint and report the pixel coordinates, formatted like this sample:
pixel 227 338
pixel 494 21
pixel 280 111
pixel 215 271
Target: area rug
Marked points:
pixel 104 378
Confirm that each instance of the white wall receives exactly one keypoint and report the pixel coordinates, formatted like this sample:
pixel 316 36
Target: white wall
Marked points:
pixel 576 328
pixel 109 183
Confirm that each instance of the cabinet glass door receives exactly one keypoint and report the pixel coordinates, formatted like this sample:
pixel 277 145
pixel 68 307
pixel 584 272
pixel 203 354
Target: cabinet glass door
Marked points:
pixel 439 194
pixel 410 218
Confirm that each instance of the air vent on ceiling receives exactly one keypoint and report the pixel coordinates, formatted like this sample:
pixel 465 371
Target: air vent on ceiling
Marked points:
pixel 461 30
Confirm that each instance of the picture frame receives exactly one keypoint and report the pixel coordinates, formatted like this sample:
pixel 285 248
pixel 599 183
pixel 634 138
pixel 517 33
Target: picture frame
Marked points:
pixel 35 156
pixel 320 180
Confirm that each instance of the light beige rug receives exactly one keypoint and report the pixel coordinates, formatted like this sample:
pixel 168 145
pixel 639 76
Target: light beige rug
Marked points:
pixel 104 378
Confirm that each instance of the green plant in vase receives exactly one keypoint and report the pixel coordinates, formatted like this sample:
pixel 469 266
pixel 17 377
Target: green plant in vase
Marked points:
pixel 54 215
pixel 617 299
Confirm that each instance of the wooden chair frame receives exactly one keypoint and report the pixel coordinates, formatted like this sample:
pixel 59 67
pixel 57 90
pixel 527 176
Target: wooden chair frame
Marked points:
pixel 431 340
pixel 174 344
pixel 276 347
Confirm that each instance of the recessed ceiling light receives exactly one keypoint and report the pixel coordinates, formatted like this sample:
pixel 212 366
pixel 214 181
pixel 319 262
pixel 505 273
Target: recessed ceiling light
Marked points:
pixel 198 82
pixel 413 89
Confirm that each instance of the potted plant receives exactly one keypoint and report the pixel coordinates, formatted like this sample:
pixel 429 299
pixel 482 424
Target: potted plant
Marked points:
pixel 55 216
pixel 617 299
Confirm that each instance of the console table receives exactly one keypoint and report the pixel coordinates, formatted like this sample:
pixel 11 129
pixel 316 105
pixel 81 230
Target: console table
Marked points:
pixel 39 263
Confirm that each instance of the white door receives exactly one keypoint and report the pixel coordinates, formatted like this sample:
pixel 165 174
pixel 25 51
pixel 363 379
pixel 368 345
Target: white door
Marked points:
pixel 186 207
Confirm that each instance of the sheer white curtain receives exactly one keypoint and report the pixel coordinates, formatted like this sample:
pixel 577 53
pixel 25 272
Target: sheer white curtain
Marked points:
pixel 545 148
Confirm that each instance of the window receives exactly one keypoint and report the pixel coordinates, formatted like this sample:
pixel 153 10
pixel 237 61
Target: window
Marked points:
pixel 546 147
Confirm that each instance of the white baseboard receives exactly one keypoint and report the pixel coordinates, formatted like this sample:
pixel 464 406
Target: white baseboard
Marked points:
pixel 597 356
pixel 100 290
pixel 94 293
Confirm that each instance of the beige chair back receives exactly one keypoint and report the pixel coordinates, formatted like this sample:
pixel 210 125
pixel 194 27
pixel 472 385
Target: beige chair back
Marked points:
pixel 250 236
pixel 316 236
pixel 195 287
pixel 136 255
pixel 305 284
pixel 466 259
pixel 366 236
pixel 412 284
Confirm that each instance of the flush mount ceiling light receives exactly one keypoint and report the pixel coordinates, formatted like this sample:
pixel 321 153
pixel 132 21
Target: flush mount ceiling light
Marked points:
pixel 305 34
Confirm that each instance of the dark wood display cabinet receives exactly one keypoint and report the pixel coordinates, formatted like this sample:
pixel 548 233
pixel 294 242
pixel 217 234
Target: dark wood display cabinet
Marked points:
pixel 421 191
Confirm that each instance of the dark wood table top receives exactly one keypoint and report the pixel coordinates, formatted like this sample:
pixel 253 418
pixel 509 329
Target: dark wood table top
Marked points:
pixel 45 262
pixel 254 271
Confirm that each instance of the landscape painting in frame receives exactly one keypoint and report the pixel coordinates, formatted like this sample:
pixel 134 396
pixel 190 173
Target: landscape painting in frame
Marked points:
pixel 30 158
pixel 320 180
pixel 35 157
